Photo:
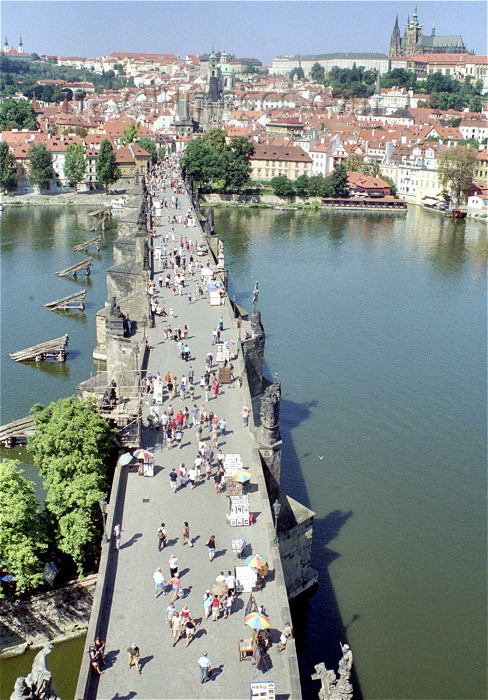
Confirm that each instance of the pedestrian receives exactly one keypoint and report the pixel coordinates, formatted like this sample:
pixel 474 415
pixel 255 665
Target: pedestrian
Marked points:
pixel 218 481
pixel 228 604
pixel 134 656
pixel 215 388
pixel 182 474
pixel 221 324
pixel 159 582
pixel 169 614
pixel 223 426
pixel 176 627
pixel 205 668
pixel 220 459
pixel 95 659
pixel 173 476
pixel 230 582
pixel 192 475
pixel 191 373
pixel 211 547
pixel 189 631
pixel 175 585
pixel 194 415
pixel 198 432
pixel 173 565
pixel 215 605
pixel 117 535
pixel 286 633
pixel 198 466
pixel 207 603
pixel 207 392
pixel 214 336
pixel 178 438
pixel 186 534
pixel 245 416
pixel 208 469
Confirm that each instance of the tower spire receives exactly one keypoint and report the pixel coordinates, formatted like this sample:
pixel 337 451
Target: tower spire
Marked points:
pixel 433 29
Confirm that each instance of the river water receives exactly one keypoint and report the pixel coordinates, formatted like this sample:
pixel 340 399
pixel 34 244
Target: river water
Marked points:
pixel 376 325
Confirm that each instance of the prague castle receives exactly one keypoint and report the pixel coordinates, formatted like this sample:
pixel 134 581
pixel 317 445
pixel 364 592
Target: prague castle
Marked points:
pixel 414 42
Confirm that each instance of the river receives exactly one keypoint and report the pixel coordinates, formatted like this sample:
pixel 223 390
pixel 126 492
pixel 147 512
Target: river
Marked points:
pixel 376 325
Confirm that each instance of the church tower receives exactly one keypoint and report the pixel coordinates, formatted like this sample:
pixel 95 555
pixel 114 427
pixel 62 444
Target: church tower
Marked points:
pixel 413 36
pixel 395 41
pixel 6 47
pixel 21 46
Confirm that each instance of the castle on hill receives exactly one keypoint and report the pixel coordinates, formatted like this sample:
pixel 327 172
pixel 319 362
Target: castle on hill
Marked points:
pixel 415 43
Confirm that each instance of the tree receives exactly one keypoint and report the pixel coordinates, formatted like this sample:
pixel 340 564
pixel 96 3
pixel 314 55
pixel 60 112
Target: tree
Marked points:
pixel 317 73
pixel 302 185
pixel 71 447
pixel 106 165
pixel 337 181
pixel 398 77
pixel 8 171
pixel 202 162
pixel 74 163
pixel 20 540
pixel 297 73
pixel 130 134
pixel 393 188
pixel 456 168
pixel 148 145
pixel 17 114
pixel 236 162
pixel 282 186
pixel 371 168
pixel 215 138
pixel 475 104
pixel 40 168
pixel 354 163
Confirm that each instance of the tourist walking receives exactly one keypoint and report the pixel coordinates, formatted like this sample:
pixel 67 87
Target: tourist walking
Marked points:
pixel 215 606
pixel 159 582
pixel 205 667
pixel 176 627
pixel 169 614
pixel 134 655
pixel 231 582
pixel 245 416
pixel 182 474
pixel 173 565
pixel 189 631
pixel 117 535
pixel 228 604
pixel 186 534
pixel 176 587
pixel 207 603
pixel 211 547
pixel 173 477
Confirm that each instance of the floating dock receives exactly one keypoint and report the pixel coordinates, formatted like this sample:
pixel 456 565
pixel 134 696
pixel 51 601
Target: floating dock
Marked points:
pixel 42 351
pixel 87 244
pixel 73 302
pixel 74 269
pixel 17 432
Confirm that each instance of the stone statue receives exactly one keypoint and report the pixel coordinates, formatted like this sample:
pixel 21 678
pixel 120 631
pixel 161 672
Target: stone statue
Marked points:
pixel 210 219
pixel 255 296
pixel 37 685
pixel 345 664
pixel 221 248
pixel 270 406
pixel 115 309
pixel 109 398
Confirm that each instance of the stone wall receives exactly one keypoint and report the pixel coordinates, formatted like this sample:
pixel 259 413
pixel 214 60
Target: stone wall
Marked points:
pixel 295 532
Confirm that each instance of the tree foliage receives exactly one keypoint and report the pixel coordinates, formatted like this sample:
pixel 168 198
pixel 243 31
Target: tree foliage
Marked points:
pixel 317 73
pixel 75 163
pixel 211 161
pixel 17 114
pixel 106 166
pixel 297 73
pixel 21 543
pixel 399 77
pixel 148 145
pixel 8 171
pixel 40 165
pixel 71 448
pixel 282 186
pixel 456 168
pixel 130 134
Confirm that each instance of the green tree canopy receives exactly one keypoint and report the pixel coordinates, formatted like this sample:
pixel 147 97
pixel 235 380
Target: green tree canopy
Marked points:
pixel 148 145
pixel 8 171
pixel 337 182
pixel 302 184
pixel 317 73
pixel 282 186
pixel 297 73
pixel 209 160
pixel 130 134
pixel 40 165
pixel 398 77
pixel 75 163
pixel 456 168
pixel 17 114
pixel 215 138
pixel 106 165
pixel 21 542
pixel 71 447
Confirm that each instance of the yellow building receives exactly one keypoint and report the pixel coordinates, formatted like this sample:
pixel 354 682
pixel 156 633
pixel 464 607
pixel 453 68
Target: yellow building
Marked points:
pixel 270 161
pixel 132 161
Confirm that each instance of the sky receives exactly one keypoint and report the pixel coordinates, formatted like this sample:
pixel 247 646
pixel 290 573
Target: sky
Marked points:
pixel 247 28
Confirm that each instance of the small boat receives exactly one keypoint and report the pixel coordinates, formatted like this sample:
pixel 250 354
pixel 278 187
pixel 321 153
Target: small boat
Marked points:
pixel 118 203
pixel 457 214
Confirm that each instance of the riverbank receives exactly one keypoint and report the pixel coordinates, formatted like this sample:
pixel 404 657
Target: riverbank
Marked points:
pixel 63 198
pixel 55 615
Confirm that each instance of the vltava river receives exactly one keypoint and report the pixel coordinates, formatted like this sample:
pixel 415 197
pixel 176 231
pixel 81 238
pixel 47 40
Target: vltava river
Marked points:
pixel 376 326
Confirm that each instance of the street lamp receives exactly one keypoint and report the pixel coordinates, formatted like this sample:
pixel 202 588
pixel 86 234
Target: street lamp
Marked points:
pixel 103 507
pixel 276 510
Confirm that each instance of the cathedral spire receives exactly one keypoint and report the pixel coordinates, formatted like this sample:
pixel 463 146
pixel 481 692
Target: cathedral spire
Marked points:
pixel 433 29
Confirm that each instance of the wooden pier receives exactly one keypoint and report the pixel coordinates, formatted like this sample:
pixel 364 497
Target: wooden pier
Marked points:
pixel 87 244
pixel 42 351
pixel 17 432
pixel 74 269
pixel 73 302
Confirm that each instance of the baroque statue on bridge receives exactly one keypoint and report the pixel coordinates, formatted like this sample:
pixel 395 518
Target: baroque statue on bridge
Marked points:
pixel 37 685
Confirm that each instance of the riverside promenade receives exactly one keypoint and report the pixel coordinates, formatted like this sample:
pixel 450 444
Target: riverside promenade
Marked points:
pixel 129 611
